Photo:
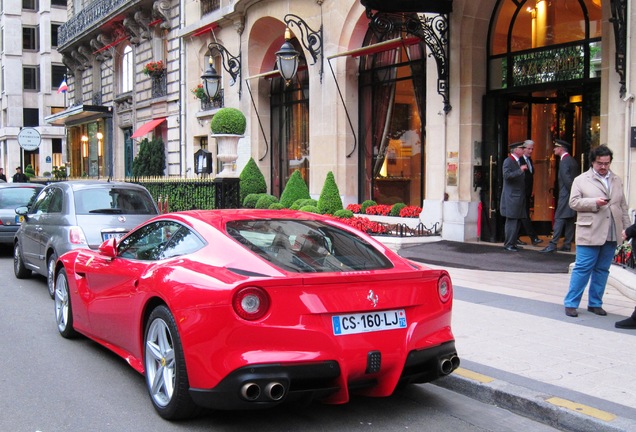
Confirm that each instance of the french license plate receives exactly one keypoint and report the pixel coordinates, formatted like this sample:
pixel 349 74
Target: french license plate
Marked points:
pixel 368 322
pixel 19 219
pixel 108 236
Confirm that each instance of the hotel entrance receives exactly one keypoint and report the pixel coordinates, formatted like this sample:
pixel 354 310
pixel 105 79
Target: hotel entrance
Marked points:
pixel 543 84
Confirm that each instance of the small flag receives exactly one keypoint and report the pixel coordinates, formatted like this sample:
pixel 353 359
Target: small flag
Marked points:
pixel 63 88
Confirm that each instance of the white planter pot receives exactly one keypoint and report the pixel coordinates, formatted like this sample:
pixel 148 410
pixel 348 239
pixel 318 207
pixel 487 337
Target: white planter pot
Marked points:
pixel 409 222
pixel 227 153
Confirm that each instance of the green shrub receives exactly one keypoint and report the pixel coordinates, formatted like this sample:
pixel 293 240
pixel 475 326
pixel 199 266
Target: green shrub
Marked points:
pixel 276 206
pixel 29 171
pixel 151 160
pixel 365 204
pixel 344 213
pixel 251 180
pixel 395 210
pixel 228 121
pixel 250 200
pixel 295 189
pixel 265 201
pixel 310 209
pixel 329 201
pixel 303 202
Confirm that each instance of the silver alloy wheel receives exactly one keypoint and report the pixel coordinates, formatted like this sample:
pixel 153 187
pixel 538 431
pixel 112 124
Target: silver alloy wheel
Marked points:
pixel 61 303
pixel 50 278
pixel 160 362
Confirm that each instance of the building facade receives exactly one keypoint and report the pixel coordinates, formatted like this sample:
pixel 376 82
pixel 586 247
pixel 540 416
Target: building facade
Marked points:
pixel 31 73
pixel 414 103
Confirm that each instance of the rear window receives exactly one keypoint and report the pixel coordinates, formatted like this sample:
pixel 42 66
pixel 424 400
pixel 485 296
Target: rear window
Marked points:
pixel 113 201
pixel 307 246
pixel 11 198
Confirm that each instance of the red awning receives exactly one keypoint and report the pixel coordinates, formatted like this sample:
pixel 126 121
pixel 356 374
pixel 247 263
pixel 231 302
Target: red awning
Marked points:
pixel 147 127
pixel 378 47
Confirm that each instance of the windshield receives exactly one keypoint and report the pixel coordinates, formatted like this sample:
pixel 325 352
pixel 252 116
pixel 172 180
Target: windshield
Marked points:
pixel 113 201
pixel 307 246
pixel 11 198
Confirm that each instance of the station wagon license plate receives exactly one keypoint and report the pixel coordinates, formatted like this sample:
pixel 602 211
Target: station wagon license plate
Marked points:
pixel 108 236
pixel 19 219
pixel 368 322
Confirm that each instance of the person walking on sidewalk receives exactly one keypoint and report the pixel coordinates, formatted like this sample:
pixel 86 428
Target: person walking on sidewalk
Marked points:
pixel 597 197
pixel 564 215
pixel 526 222
pixel 629 323
pixel 19 176
pixel 513 196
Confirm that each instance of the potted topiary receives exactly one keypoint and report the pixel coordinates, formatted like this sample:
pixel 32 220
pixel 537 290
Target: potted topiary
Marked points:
pixel 228 126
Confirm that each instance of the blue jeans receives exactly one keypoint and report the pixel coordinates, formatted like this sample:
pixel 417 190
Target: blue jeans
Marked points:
pixel 592 265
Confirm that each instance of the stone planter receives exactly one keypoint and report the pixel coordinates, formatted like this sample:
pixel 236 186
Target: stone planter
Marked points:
pixel 392 220
pixel 227 153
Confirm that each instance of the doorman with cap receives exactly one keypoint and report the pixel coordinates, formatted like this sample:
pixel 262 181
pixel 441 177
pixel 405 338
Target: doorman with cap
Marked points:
pixel 513 196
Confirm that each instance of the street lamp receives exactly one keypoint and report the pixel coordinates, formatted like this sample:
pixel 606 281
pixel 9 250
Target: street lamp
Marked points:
pixel 211 78
pixel 287 59
pixel 84 146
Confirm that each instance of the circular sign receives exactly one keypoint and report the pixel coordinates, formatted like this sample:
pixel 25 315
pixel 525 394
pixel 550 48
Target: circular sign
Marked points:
pixel 29 139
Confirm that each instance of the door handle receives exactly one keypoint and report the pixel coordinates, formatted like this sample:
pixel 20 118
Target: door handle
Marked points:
pixel 491 166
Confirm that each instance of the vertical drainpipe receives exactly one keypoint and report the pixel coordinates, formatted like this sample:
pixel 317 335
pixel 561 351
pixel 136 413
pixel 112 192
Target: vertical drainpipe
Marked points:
pixel 182 96
pixel 629 99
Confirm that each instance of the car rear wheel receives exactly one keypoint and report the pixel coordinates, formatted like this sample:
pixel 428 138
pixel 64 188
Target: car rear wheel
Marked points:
pixel 63 310
pixel 166 375
pixel 50 273
pixel 21 272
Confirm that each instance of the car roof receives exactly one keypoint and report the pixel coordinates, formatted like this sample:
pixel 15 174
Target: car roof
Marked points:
pixel 21 185
pixel 89 184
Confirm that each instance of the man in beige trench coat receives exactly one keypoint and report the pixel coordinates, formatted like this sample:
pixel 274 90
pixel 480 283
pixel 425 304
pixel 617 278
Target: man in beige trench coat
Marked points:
pixel 597 197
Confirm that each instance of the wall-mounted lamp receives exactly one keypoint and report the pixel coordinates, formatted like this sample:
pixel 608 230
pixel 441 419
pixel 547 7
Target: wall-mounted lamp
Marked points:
pixel 211 79
pixel 286 60
pixel 100 137
pixel 84 146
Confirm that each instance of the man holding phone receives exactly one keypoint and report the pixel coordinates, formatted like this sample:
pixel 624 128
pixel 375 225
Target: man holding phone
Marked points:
pixel 597 197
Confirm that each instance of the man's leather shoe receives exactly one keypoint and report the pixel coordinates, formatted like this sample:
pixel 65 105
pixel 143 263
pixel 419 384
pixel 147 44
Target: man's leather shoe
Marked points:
pixel 565 249
pixel 629 323
pixel 571 312
pixel 511 248
pixel 548 248
pixel 597 310
pixel 536 241
pixel 521 242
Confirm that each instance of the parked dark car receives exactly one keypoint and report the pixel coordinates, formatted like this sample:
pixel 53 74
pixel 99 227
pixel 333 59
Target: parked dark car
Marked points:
pixel 76 214
pixel 12 196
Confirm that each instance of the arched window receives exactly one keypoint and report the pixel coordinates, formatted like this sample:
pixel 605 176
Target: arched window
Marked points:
pixel 127 70
pixel 392 95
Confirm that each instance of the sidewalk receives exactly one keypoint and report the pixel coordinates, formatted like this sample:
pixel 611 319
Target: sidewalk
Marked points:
pixel 520 351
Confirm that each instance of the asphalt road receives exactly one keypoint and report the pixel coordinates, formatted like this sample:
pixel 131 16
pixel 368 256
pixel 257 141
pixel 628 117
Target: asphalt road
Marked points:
pixel 50 384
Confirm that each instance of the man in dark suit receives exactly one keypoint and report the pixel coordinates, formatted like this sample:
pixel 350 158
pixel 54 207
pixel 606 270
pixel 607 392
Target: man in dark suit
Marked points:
pixel 564 215
pixel 526 222
pixel 513 196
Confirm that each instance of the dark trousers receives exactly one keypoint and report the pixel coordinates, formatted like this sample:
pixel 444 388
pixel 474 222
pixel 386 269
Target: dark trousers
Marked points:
pixel 565 227
pixel 511 231
pixel 526 223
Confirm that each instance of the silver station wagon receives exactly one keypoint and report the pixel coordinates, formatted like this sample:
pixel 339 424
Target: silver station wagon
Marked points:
pixel 74 214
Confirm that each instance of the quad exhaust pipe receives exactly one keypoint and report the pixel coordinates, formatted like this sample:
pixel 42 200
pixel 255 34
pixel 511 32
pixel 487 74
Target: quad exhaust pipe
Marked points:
pixel 273 391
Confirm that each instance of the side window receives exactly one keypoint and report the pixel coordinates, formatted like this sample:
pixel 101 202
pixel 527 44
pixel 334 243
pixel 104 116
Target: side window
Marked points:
pixel 57 198
pixel 151 242
pixel 46 201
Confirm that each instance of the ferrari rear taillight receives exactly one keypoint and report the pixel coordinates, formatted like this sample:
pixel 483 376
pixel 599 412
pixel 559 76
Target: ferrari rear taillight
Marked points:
pixel 444 288
pixel 76 235
pixel 251 303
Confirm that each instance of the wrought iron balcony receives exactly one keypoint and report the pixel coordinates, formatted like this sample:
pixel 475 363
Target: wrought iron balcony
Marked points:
pixel 210 104
pixel 92 17
pixel 159 85
pixel 208 6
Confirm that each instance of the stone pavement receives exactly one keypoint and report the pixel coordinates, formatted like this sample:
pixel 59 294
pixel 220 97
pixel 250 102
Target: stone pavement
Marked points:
pixel 519 351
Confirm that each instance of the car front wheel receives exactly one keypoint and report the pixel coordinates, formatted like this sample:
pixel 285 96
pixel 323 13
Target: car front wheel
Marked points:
pixel 50 273
pixel 166 375
pixel 63 310
pixel 21 272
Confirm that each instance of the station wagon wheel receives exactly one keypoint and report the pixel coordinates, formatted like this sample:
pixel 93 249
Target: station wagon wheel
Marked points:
pixel 166 375
pixel 21 272
pixel 50 273
pixel 63 310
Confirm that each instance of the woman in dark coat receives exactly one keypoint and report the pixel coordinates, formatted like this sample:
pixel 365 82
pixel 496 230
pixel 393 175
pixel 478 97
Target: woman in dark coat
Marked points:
pixel 629 323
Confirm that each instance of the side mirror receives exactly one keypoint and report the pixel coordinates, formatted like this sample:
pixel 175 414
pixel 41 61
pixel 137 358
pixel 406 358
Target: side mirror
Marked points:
pixel 22 212
pixel 108 248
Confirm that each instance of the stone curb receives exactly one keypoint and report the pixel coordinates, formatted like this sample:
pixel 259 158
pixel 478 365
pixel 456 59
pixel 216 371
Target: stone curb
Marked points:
pixel 531 404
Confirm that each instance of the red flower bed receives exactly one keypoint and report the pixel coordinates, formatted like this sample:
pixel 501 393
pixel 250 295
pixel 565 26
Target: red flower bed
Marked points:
pixel 364 225
pixel 355 208
pixel 410 212
pixel 379 210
